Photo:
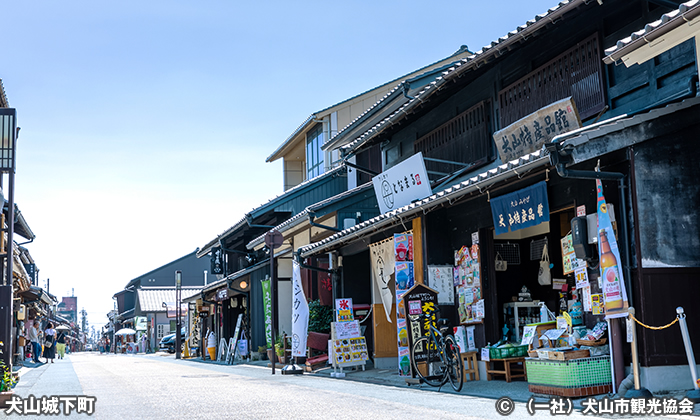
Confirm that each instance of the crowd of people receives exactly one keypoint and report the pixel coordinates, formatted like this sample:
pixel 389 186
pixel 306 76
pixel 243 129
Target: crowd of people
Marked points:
pixel 49 343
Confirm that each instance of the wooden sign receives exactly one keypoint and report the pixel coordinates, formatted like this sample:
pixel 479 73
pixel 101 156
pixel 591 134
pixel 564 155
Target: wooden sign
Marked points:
pixel 529 133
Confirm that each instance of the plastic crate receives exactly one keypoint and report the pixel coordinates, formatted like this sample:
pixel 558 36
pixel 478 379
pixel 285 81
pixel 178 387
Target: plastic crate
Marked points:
pixel 577 373
pixel 507 352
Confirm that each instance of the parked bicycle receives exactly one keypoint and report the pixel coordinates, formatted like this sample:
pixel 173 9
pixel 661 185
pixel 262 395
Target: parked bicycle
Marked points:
pixel 435 358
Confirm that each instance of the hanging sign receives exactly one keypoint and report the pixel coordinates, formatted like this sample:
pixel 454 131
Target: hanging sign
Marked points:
pixel 402 184
pixel 529 133
pixel 569 261
pixel 520 209
pixel 217 261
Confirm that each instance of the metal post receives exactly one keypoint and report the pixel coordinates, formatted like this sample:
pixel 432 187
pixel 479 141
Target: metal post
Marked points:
pixel 695 393
pixel 273 289
pixel 178 324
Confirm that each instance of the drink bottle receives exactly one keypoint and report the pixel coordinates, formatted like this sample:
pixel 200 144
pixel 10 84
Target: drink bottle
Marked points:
pixel 612 290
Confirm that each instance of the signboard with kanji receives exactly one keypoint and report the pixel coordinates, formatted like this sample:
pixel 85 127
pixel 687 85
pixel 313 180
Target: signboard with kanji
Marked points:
pixel 420 299
pixel 217 261
pixel 402 184
pixel 529 133
pixel 520 209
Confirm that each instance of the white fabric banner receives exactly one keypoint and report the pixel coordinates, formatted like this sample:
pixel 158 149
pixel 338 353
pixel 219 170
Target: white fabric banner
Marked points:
pixel 382 262
pixel 300 314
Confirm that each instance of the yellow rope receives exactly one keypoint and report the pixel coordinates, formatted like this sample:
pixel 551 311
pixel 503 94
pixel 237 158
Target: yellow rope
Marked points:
pixel 653 328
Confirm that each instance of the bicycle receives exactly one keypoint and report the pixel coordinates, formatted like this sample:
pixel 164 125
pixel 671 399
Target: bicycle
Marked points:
pixel 439 353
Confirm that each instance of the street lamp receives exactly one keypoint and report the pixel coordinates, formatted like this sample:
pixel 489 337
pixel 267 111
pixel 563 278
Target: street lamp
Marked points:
pixel 178 297
pixel 8 137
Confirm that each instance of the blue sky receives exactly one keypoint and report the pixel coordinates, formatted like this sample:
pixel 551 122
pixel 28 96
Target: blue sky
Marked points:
pixel 145 125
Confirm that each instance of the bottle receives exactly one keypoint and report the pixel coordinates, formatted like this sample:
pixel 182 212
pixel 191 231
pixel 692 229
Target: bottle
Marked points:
pixel 612 290
pixel 544 316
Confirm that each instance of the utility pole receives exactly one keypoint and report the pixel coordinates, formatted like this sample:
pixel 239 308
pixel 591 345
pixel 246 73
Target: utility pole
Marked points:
pixel 83 312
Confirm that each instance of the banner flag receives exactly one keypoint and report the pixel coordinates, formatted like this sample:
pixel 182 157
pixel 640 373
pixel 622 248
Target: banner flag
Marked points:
pixel 614 293
pixel 267 308
pixel 300 314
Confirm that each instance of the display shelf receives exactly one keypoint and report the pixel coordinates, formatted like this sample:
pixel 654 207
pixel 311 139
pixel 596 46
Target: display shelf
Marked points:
pixel 518 314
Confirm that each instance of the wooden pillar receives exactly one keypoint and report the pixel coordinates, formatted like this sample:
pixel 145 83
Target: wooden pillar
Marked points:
pixel 418 251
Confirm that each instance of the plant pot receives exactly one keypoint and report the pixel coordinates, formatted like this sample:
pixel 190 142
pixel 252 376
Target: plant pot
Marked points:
pixel 270 355
pixel 281 359
pixel 5 397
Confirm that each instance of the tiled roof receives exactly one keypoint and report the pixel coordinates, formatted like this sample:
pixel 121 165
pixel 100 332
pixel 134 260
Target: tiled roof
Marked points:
pixel 669 21
pixel 482 56
pixel 214 242
pixel 151 299
pixel 300 217
pixel 480 182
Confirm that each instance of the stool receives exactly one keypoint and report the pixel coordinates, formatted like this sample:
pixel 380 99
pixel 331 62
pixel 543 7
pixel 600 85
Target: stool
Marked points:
pixel 469 365
pixel 509 371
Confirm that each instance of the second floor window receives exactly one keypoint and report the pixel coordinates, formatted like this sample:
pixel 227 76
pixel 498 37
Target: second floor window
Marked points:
pixel 314 154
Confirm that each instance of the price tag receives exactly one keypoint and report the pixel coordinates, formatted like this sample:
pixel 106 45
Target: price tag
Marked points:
pixel 485 354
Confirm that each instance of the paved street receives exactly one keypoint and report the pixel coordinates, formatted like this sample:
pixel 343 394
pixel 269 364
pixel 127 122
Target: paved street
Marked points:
pixel 157 386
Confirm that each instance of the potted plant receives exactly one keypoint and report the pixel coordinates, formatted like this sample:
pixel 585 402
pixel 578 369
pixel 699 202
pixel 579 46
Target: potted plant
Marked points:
pixel 279 347
pixel 7 382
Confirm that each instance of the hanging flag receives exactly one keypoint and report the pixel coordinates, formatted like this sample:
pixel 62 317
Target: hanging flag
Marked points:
pixel 300 314
pixel 267 308
pixel 614 293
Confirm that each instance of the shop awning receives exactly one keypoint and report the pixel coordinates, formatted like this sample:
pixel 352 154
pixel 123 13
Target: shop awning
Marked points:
pixel 476 184
pixel 151 299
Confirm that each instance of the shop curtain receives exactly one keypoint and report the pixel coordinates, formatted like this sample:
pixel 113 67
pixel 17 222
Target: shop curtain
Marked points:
pixel 382 262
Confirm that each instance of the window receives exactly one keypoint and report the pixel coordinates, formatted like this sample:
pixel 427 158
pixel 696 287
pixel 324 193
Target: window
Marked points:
pixel 314 154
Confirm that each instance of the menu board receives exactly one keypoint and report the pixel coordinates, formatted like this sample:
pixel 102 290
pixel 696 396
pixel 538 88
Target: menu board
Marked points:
pixel 349 350
pixel 345 330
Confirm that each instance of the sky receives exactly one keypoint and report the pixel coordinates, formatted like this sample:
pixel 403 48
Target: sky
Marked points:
pixel 145 125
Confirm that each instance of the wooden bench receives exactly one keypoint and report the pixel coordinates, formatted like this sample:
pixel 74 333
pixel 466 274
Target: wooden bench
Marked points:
pixel 510 371
pixel 469 365
pixel 317 343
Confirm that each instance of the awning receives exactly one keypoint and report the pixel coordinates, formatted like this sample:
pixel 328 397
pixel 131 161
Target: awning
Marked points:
pixel 478 183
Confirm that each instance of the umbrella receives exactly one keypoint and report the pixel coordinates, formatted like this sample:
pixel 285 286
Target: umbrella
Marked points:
pixel 62 328
pixel 125 331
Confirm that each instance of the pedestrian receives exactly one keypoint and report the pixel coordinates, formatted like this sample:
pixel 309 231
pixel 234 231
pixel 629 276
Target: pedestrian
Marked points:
pixel 34 339
pixel 61 344
pixel 108 342
pixel 49 342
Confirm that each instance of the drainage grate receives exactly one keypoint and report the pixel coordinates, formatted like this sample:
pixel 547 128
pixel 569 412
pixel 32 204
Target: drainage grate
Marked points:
pixel 509 252
pixel 204 376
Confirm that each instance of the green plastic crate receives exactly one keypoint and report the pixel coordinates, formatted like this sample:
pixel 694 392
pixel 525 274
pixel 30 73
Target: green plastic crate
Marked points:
pixel 506 352
pixel 577 373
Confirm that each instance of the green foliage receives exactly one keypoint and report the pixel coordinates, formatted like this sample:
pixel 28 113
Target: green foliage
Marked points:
pixel 7 379
pixel 320 317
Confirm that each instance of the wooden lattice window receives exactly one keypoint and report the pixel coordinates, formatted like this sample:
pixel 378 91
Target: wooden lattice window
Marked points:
pixel 578 72
pixel 465 138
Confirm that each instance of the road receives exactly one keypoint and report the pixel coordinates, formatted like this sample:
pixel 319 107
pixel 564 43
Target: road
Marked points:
pixel 154 386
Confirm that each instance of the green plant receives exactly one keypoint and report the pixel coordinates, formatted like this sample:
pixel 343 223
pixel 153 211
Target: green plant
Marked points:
pixel 279 345
pixel 7 379
pixel 320 317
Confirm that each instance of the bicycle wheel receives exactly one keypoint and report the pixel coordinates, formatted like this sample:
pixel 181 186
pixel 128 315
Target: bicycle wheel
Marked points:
pixel 432 354
pixel 454 363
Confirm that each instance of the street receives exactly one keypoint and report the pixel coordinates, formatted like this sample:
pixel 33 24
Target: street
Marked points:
pixel 158 386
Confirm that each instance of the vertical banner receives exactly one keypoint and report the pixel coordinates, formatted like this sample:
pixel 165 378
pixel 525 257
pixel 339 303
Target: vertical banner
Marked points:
pixel 300 314
pixel 404 279
pixel 614 293
pixel 267 307
pixel 382 262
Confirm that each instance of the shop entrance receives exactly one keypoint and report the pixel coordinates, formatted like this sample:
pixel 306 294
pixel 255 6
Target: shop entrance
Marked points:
pixel 517 283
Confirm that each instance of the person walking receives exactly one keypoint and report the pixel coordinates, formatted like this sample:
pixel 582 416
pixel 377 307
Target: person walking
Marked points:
pixel 34 339
pixel 49 342
pixel 61 344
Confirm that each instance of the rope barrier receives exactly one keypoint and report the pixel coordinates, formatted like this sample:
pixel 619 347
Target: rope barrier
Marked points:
pixel 653 328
